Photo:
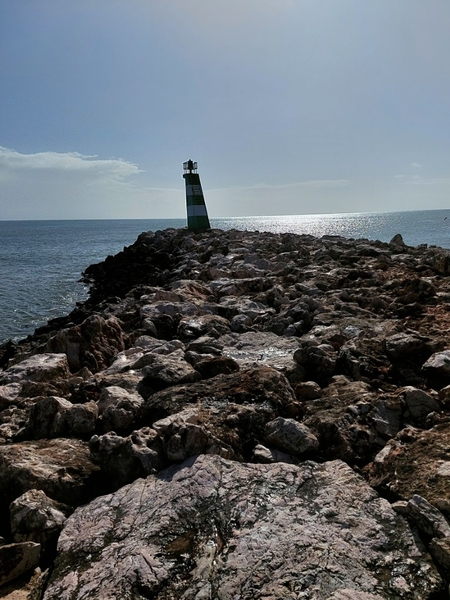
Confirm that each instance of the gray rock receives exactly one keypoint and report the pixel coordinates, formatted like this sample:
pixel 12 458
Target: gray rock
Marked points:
pixel 419 403
pixel 123 459
pixel 263 348
pixel 290 436
pixel 308 390
pixel 405 346
pixel 57 417
pixel 40 367
pixel 437 368
pixel 264 455
pixel 16 559
pixel 36 518
pixel 118 409
pixel 440 551
pixel 8 394
pixel 61 468
pixel 186 434
pixel 212 528
pixel 427 518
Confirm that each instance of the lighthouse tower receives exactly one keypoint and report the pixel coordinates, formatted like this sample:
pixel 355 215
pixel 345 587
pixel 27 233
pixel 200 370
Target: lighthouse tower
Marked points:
pixel 197 215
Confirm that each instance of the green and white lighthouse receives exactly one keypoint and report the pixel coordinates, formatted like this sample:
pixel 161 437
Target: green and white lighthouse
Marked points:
pixel 197 215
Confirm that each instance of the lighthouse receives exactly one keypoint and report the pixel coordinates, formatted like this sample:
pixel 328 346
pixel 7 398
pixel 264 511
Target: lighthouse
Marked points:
pixel 197 215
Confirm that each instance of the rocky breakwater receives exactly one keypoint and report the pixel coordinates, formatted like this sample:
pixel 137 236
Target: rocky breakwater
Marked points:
pixel 234 415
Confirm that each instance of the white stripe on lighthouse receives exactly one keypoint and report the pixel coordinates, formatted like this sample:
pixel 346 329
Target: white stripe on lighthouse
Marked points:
pixel 197 210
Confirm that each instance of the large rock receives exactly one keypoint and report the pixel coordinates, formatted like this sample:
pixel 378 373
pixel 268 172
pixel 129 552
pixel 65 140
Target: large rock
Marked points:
pixel 212 528
pixel 57 417
pixel 263 348
pixel 93 344
pixel 38 368
pixel 16 559
pixel 437 369
pixel 119 409
pixel 415 462
pixel 290 436
pixel 62 468
pixel 37 518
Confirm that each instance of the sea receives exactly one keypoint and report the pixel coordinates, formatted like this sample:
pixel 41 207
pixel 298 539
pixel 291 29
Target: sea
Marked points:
pixel 41 262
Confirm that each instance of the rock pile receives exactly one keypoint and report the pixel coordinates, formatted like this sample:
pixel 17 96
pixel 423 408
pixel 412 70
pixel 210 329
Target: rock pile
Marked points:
pixel 234 415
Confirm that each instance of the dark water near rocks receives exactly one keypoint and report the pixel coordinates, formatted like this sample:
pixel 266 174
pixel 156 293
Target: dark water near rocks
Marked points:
pixel 41 261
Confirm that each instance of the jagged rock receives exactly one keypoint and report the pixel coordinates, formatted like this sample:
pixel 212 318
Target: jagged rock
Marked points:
pixel 193 327
pixel 210 367
pixel 407 346
pixel 188 433
pixel 318 362
pixel 437 369
pixel 213 528
pixel 38 368
pixel 264 388
pixel 308 390
pixel 93 344
pixel 8 394
pixel 440 551
pixel 261 454
pixel 61 468
pixel 16 559
pixel 290 436
pixel 119 409
pixel 161 370
pixel 419 403
pixel 427 518
pixel 37 518
pixel 124 459
pixel 263 348
pixel 57 417
pixel 415 462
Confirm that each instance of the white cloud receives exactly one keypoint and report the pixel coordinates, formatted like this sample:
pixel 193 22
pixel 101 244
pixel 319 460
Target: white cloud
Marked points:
pixel 416 180
pixel 52 185
pixel 116 169
pixel 416 165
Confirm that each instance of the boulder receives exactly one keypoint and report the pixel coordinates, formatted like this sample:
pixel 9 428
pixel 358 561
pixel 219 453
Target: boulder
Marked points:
pixel 62 468
pixel 415 462
pixel 16 559
pixel 263 348
pixel 93 344
pixel 437 369
pixel 214 528
pixel 427 518
pixel 119 409
pixel 290 436
pixel 38 368
pixel 419 403
pixel 123 459
pixel 37 518
pixel 57 417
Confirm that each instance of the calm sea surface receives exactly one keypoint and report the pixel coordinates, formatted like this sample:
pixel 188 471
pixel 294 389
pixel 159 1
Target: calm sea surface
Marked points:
pixel 41 261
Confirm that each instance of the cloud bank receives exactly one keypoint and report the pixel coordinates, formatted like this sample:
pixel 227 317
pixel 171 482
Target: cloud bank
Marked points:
pixel 52 185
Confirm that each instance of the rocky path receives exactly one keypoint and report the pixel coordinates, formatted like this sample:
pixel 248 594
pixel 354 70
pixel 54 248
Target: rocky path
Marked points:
pixel 234 415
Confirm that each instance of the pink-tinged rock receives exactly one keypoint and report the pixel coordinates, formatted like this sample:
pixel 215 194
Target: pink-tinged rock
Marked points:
pixel 62 468
pixel 213 528
pixel 39 368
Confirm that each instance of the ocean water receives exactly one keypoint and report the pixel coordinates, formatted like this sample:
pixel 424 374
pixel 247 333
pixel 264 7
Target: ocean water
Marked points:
pixel 41 262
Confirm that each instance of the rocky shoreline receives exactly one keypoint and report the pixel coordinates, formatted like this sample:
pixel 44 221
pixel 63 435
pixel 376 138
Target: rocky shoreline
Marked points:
pixel 234 415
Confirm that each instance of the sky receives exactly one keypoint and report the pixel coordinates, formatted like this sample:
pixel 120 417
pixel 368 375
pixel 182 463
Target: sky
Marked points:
pixel 288 106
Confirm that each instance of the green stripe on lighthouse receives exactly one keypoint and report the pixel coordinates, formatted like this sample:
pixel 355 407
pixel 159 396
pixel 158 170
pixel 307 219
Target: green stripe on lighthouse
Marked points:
pixel 197 215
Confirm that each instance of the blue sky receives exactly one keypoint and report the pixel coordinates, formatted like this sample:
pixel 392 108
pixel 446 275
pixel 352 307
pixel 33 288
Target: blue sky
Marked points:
pixel 289 106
